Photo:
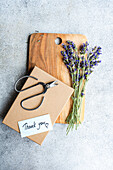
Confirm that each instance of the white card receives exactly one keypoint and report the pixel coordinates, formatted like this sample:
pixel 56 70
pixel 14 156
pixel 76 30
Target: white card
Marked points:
pixel 35 125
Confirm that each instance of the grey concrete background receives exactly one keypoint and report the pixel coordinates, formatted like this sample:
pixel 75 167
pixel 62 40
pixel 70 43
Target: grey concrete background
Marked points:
pixel 91 146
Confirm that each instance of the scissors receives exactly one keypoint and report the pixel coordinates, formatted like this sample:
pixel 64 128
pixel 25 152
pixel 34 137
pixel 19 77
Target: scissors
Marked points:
pixel 46 86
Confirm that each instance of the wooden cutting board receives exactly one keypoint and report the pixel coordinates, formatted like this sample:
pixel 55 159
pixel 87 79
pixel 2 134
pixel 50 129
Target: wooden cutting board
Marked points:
pixel 46 54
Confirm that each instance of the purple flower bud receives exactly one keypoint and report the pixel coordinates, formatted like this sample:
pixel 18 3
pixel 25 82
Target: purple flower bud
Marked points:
pixel 73 45
pixel 64 46
pixel 71 58
pixel 82 94
pixel 98 52
pixel 71 52
pixel 87 43
pixel 67 51
pixel 99 48
pixel 86 73
pixel 83 44
pixel 65 58
pixel 67 66
pixel 75 69
pixel 69 46
pixel 68 41
pixel 84 77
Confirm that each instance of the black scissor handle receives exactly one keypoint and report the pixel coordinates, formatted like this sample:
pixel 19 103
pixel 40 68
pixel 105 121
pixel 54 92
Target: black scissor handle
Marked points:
pixel 30 109
pixel 39 83
pixel 24 78
pixel 21 103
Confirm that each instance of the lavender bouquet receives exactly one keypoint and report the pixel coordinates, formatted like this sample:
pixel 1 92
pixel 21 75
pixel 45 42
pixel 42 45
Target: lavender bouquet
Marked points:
pixel 80 64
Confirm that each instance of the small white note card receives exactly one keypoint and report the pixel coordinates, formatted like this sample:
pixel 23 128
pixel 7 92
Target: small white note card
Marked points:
pixel 35 125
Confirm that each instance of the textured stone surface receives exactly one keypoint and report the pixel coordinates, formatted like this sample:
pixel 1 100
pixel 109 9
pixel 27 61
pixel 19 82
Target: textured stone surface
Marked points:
pixel 91 146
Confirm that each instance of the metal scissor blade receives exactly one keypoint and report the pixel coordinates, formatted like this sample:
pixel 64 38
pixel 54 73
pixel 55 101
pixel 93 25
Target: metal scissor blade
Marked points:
pixel 52 84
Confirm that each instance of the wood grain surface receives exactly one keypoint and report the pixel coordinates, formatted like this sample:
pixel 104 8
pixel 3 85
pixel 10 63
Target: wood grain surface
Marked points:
pixel 46 54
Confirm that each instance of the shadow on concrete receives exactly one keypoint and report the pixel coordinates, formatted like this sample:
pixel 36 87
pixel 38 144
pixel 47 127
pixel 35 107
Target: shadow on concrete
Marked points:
pixel 27 63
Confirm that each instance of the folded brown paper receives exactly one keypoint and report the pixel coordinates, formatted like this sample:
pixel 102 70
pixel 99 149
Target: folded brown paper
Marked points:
pixel 55 99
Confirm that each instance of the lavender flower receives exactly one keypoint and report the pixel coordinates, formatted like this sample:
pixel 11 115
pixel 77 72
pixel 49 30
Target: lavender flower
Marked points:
pixel 79 69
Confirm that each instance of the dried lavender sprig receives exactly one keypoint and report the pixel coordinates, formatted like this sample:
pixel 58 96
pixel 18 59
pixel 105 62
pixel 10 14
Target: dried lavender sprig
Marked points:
pixel 72 44
pixel 76 63
pixel 84 48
